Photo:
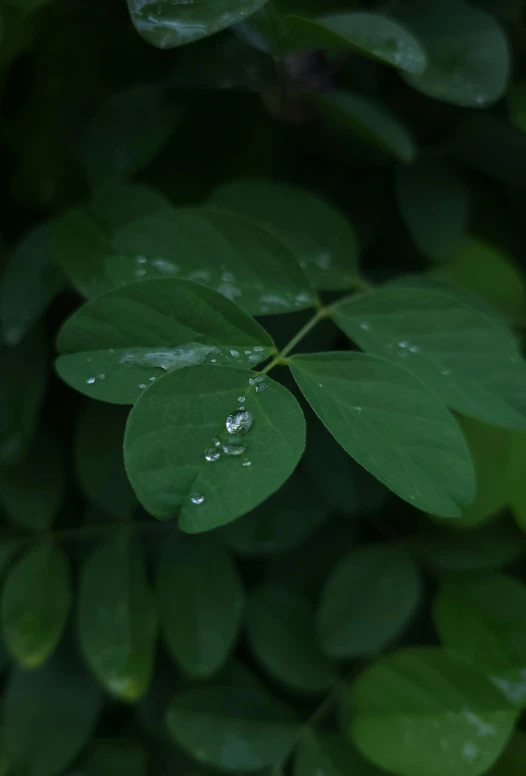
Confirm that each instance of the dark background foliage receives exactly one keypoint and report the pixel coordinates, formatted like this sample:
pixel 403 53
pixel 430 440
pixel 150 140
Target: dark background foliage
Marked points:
pixel 334 629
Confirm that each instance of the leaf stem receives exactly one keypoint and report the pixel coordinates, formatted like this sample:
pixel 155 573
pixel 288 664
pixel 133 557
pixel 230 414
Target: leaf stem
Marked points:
pixel 281 356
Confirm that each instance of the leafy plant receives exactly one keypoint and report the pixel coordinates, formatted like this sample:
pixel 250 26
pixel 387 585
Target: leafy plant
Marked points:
pixel 262 391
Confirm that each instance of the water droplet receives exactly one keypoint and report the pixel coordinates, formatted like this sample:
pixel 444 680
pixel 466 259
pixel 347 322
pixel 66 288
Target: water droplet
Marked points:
pixel 414 349
pixel 241 408
pixel 320 385
pixel 102 377
pixel 91 380
pixel 234 353
pixel 258 349
pixel 213 360
pixel 260 387
pixel 234 449
pixel 216 442
pixel 365 326
pixel 358 408
pixel 152 379
pixel 241 399
pixel 445 372
pixel 403 344
pixel 246 462
pixel 141 260
pixel 212 454
pixel 142 386
pixel 239 423
pixel 256 380
pixel 140 273
pixel 197 498
pixel 111 351
pixel 248 352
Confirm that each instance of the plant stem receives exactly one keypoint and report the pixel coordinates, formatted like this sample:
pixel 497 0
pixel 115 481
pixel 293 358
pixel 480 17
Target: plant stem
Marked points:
pixel 281 356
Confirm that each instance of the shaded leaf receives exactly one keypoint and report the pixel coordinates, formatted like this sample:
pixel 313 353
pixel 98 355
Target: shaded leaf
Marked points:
pixel 517 105
pixel 168 23
pixel 468 53
pixel 368 600
pixel 511 762
pixel 369 34
pixel 282 635
pixel 481 618
pixel 49 715
pixel 108 758
pixel 232 729
pixel 36 601
pixel 116 204
pixel 117 620
pixel 201 602
pixel 369 120
pixel 330 755
pixel 99 460
pixel 32 491
pixel 175 426
pixel 30 282
pixel 239 259
pixel 121 342
pixel 433 203
pixel 282 521
pixel 326 251
pixel 424 712
pixel 389 422
pixel 468 359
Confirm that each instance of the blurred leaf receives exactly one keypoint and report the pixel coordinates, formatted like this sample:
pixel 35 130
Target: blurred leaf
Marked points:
pixel 433 203
pixel 232 729
pixel 99 460
pixel 110 758
pixel 29 283
pixel 9 547
pixel 282 635
pixel 129 129
pixel 36 600
pixel 490 272
pixel 171 446
pixel 371 121
pixel 326 251
pixel 23 379
pixel 369 34
pixel 121 342
pixel 238 259
pixel 468 53
pixel 470 361
pixel 481 619
pixel 330 755
pixel 517 105
pixel 368 600
pixel 117 620
pixel 201 602
pixel 168 23
pixel 32 491
pixel 424 712
pixel 279 523
pixel 517 494
pixel 48 716
pixel 511 762
pixel 388 421
pixel 116 204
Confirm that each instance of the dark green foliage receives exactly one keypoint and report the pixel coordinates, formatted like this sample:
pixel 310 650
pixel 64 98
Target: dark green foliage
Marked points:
pixel 287 238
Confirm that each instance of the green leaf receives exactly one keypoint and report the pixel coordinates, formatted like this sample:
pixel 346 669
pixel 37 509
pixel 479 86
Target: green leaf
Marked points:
pixel 468 53
pixel 30 282
pixel 369 120
pixel 32 492
pixel 201 602
pixel 232 729
pixel 36 600
pixel 23 379
pixel 116 204
pixel 281 522
pixel 282 635
pixel 490 546
pixel 368 600
pixel 168 23
pixel 117 620
pixel 511 763
pixel 245 262
pixel 517 495
pixel 99 460
pixel 329 754
pixel 180 423
pixel 424 712
pixel 433 203
pixel 48 716
pixel 481 618
pixel 486 270
pixel 129 129
pixel 487 444
pixel 110 758
pixel 81 247
pixel 369 34
pixel 392 425
pixel 326 251
pixel 121 342
pixel 469 360
pixel 517 105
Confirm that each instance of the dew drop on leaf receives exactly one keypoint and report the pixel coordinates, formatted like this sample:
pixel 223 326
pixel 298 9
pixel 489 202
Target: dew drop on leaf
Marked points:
pixel 239 423
pixel 197 498
pixel 212 454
